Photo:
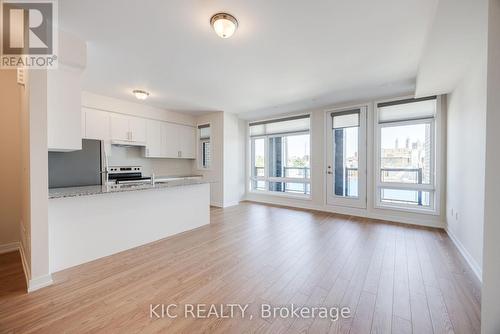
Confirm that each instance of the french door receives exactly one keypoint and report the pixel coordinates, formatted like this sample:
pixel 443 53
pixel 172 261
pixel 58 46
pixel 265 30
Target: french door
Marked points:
pixel 346 157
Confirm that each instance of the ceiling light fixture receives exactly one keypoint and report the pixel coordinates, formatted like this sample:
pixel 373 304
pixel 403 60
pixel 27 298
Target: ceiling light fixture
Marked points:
pixel 140 94
pixel 224 24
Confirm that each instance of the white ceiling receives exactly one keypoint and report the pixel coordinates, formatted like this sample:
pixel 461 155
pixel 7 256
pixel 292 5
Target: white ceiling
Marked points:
pixel 286 55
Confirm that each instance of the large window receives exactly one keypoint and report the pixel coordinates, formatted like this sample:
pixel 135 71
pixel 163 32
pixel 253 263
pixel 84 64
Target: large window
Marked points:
pixel 204 154
pixel 406 159
pixel 280 151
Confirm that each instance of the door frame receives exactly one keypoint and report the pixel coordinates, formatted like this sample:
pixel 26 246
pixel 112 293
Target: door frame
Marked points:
pixel 330 199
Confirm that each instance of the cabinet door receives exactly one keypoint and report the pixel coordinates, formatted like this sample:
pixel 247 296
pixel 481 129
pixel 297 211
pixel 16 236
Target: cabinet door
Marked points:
pixel 187 138
pixel 137 128
pixel 153 139
pixel 170 140
pixel 120 128
pixel 96 124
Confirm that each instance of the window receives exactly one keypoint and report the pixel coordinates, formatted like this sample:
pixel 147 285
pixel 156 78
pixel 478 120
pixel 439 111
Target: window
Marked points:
pixel 280 156
pixel 406 151
pixel 204 153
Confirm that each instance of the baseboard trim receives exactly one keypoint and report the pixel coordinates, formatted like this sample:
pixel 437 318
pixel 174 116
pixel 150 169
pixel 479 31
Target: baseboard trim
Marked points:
pixel 10 247
pixel 39 282
pixel 226 205
pixel 26 268
pixel 350 212
pixel 476 269
pixel 32 284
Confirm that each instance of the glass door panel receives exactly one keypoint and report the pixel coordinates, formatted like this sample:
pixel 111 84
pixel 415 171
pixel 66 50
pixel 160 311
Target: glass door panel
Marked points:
pixel 346 166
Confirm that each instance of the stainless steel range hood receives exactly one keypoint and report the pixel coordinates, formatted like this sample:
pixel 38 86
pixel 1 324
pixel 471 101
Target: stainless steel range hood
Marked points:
pixel 125 143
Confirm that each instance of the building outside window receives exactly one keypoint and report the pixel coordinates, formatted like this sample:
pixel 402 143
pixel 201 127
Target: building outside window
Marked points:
pixel 280 156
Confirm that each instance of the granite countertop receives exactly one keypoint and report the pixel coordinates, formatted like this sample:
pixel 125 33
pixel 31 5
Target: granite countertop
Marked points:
pixel 114 188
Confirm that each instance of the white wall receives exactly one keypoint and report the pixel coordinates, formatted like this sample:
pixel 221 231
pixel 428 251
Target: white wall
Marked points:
pixel 10 150
pixel 34 180
pixel 215 174
pixel 318 178
pixel 24 228
pixel 490 316
pixel 466 162
pixel 125 156
pixel 234 159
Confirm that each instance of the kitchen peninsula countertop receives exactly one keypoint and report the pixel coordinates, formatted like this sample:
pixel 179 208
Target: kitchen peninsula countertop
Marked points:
pixel 114 188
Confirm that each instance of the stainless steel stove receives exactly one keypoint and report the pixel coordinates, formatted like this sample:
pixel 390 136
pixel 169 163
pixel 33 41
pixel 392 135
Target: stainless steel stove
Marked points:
pixel 126 175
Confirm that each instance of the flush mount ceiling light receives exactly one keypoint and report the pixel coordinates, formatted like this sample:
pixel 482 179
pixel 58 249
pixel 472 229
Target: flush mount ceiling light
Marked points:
pixel 224 24
pixel 140 94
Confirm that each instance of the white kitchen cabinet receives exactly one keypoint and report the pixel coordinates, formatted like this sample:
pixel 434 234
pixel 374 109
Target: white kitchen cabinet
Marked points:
pixel 127 129
pixel 170 140
pixel 64 121
pixel 161 139
pixel 153 139
pixel 119 128
pixel 187 142
pixel 96 124
pixel 137 128
pixel 178 141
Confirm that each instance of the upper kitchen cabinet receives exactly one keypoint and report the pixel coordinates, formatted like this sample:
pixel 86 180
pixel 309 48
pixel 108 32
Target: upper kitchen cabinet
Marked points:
pixel 178 141
pixel 64 120
pixel 137 129
pixel 187 142
pixel 170 140
pixel 120 130
pixel 127 130
pixel 96 124
pixel 153 139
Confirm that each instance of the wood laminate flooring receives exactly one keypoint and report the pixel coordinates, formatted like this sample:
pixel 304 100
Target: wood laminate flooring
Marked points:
pixel 394 278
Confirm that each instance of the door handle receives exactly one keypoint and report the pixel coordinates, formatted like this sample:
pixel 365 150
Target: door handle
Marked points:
pixel 329 172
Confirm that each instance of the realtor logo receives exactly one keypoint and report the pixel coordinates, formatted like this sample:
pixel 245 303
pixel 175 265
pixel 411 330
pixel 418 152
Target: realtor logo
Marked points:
pixel 29 35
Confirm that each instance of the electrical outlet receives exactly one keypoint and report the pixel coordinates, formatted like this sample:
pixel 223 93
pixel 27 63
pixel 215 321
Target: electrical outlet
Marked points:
pixel 21 74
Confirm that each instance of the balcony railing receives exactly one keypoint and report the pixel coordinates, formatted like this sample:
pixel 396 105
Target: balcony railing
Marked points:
pixel 408 175
pixel 297 172
pixel 298 179
pixel 291 172
pixel 399 175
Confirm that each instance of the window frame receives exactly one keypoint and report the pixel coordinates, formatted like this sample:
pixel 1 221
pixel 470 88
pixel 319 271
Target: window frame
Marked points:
pixel 199 147
pixel 266 178
pixel 435 163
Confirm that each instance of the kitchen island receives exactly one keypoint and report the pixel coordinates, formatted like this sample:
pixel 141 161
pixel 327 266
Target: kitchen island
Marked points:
pixel 87 223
